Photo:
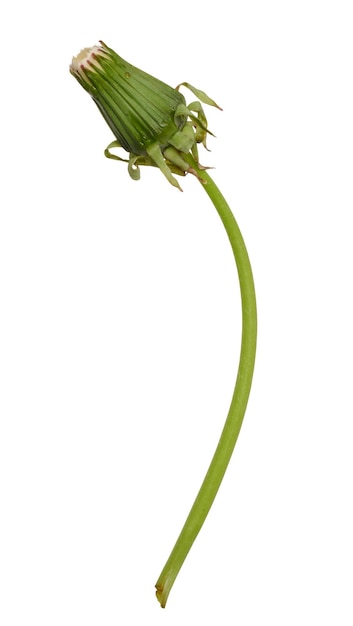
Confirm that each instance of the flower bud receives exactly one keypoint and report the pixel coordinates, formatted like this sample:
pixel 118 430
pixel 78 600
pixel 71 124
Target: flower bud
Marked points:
pixel 148 118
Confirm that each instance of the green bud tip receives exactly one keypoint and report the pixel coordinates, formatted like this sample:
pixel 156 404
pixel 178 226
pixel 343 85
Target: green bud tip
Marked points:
pixel 149 119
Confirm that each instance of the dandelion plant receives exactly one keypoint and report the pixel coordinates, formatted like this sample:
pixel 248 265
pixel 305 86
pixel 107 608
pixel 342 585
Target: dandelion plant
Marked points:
pixel 153 124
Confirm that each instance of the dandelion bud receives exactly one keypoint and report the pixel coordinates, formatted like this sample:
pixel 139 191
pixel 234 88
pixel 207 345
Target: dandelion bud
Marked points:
pixel 149 119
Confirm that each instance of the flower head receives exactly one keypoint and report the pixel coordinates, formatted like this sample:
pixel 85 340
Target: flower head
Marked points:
pixel 149 119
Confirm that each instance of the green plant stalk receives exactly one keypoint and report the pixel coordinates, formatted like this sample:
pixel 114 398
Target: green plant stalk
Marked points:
pixel 229 435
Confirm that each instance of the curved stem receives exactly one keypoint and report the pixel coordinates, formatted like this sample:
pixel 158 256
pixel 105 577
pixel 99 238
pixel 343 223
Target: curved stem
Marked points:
pixel 223 453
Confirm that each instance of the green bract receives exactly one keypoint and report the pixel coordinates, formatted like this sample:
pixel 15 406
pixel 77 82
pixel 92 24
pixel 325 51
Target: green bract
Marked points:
pixel 149 119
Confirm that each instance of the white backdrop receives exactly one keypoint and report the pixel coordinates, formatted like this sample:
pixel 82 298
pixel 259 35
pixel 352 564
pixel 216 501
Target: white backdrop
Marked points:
pixel 120 322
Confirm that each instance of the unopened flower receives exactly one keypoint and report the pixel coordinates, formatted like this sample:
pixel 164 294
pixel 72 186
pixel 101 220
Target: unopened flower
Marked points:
pixel 149 119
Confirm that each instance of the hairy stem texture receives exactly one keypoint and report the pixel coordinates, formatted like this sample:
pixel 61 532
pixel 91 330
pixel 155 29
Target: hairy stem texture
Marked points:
pixel 229 435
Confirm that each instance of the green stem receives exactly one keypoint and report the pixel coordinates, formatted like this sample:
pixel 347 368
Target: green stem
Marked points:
pixel 223 453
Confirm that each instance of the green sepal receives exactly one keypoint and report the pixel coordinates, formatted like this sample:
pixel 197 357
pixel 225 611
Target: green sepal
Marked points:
pixel 183 139
pixel 133 167
pixel 111 155
pixel 154 151
pixel 201 95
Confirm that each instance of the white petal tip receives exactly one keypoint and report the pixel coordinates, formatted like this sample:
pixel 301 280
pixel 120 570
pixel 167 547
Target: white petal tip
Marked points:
pixel 87 59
